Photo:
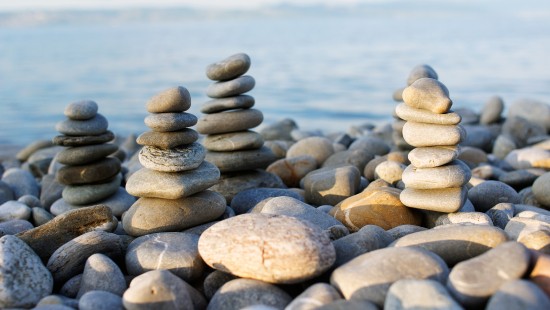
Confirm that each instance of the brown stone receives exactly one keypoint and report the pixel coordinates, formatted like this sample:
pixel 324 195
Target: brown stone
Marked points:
pixel 90 173
pixel 329 186
pixel 168 140
pixel 292 170
pixel 541 273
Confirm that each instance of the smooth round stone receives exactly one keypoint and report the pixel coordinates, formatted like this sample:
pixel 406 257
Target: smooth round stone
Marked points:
pixel 21 182
pixel 234 87
pixel 503 145
pixel 473 281
pixel 41 216
pixel 351 304
pixel 527 158
pixel 165 122
pixel 533 111
pixel 442 200
pixel 538 240
pixel 389 171
pixel 233 141
pixel 230 121
pixel 280 130
pixel 403 230
pixel 182 158
pixel 501 214
pixel 247 200
pixel 173 251
pixel 81 110
pixel 94 126
pixel 85 154
pixel 24 154
pixel 90 173
pixel 214 281
pixel 422 135
pixel 521 130
pixel 13 227
pixel 358 158
pixel 540 189
pixel 369 276
pixel 419 294
pixel 490 193
pixel 278 147
pixel 421 71
pixel 225 104
pixel 367 239
pixel 151 215
pixel 89 193
pixel 70 287
pixel 519 294
pixel 428 94
pixel 319 148
pixel 168 140
pixel 14 210
pixel 435 156
pixel 101 274
pixel 521 178
pixel 292 170
pixel 277 248
pixel 476 218
pixel 241 160
pixel 453 174
pixel 6 193
pixel 492 110
pixel 316 295
pixel 174 99
pixel 172 185
pixel 70 259
pixel 228 68
pixel 100 300
pixel 375 206
pixel 373 145
pixel 472 156
pixel 408 113
pixel 30 200
pixel 245 293
pixel 158 289
pixel 82 140
pixel 331 185
pixel 230 184
pixel 25 280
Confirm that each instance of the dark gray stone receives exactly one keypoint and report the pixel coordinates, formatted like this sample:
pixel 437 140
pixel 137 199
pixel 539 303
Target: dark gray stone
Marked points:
pixel 229 103
pixel 501 214
pixel 419 294
pixel 241 160
pixel 214 281
pixel 14 210
pixel 168 140
pixel 100 300
pixel 89 193
pixel 50 190
pixel 6 193
pixel 64 140
pixel 94 126
pixel 163 122
pixel 487 194
pixel 246 200
pixel 367 239
pixel 101 274
pixel 13 227
pixel 240 293
pixel 85 154
pixel 21 182
pixel 81 110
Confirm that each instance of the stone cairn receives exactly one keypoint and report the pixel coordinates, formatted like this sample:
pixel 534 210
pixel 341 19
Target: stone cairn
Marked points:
pixel 172 185
pixel 231 146
pixel 91 176
pixel 435 180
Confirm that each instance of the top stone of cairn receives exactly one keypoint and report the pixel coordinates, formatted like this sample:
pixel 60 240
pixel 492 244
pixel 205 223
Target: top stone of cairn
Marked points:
pixel 428 94
pixel 175 99
pixel 229 68
pixel 421 71
pixel 81 110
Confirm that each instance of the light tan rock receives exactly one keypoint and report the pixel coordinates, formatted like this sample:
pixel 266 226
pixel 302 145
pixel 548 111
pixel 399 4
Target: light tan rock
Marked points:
pixel 421 135
pixel 428 94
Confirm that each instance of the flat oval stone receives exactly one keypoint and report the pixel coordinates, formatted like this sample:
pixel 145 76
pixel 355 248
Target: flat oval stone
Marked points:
pixel 84 174
pixel 229 103
pixel 84 139
pixel 455 243
pixel 420 134
pixel 25 280
pixel 214 281
pixel 428 94
pixel 453 174
pixel 234 87
pixel 151 215
pixel 85 154
pixel 13 227
pixel 429 157
pixel 100 300
pixel 369 276
pixel 358 158
pixel 101 274
pixel 390 171
pixel 373 145
pixel 173 251
pixel 241 160
pixel 14 210
pixel 173 185
pixel 166 122
pixel 319 148
pixel 233 141
pixel 519 227
pixel 473 281
pixel 94 126
pixel 230 121
pixel 421 71
pixel 81 110
pixel 246 293
pixel 292 170
pixel 89 193
pixel 476 218
pixel 174 99
pixel 519 294
pixel 231 67
pixel 442 199
pixel 277 248
pixel 256 198
pixel 408 113
pixel 419 294
pixel 487 194
pixel 316 295
pixel 331 185
pixel 182 158
pixel 168 140
pixel 119 203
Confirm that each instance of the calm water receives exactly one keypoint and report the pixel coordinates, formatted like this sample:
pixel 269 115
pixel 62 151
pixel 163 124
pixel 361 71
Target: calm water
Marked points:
pixel 325 72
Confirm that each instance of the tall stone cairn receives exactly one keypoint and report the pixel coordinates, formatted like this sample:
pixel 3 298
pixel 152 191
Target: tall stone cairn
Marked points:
pixel 435 180
pixel 173 184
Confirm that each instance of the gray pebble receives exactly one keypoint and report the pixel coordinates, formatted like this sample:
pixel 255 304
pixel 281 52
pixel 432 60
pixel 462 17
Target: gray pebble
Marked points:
pixel 241 160
pixel 487 194
pixel 71 287
pixel 167 140
pixel 228 68
pixel 533 111
pixel 81 110
pixel 492 110
pixel 21 182
pixel 349 305
pixel 476 218
pixel 421 71
pixel 231 184
pixel 182 158
pixel 503 145
pixel 50 190
pixel 89 193
pixel 230 121
pixel 102 274
pixel 31 201
pixel 6 193
pixel 279 130
pixel 85 154
pixel 14 210
pixel 540 189
pixel 519 294
pixel 24 154
pixel 64 140
pixel 100 300
pixel 41 216
pixel 237 86
pixel 13 227
pixel 521 130
pixel 429 94
pixel 373 145
pixel 214 281
pixel 94 126
pixel 59 300
pixel 164 122
pixel 419 294
pixel 246 200
pixel 229 103
pixel 239 293
pixel 367 239
pixel 331 185
pixel 233 141
pixel 501 214
pixel 316 295
pixel 403 230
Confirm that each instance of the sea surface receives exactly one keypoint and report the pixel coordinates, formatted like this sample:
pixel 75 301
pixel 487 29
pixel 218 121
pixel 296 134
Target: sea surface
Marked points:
pixel 326 71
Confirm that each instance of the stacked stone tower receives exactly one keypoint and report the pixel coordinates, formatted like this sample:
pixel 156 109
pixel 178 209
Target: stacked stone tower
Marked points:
pixel 436 179
pixel 172 185
pixel 91 176
pixel 228 117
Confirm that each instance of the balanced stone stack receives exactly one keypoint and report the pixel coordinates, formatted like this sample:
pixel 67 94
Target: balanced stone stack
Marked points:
pixel 91 176
pixel 172 185
pixel 228 117
pixel 436 179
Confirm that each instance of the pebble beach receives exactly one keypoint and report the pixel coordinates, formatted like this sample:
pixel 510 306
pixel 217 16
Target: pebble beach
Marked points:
pixel 444 207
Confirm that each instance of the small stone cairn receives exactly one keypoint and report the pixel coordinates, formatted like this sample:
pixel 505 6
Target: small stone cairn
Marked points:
pixel 91 176
pixel 435 180
pixel 172 185
pixel 231 146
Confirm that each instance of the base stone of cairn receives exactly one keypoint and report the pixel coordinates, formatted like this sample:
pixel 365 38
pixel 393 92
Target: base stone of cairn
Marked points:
pixel 435 180
pixel 90 175
pixel 227 121
pixel 173 183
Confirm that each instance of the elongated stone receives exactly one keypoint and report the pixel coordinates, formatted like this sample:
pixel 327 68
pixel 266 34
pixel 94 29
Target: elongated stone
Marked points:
pixel 183 158
pixel 229 103
pixel 421 135
pixel 94 126
pixel 163 122
pixel 237 86
pixel 90 173
pixel 85 154
pixel 64 140
pixel 230 121
pixel 233 141
pixel 168 140
pixel 434 156
pixel 442 200
pixel 408 113
pixel 454 174
pixel 81 110
pixel 421 71
pixel 228 68
pixel 175 99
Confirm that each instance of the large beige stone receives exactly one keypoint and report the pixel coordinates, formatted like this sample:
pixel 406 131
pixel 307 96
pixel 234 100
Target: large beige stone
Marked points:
pixel 421 135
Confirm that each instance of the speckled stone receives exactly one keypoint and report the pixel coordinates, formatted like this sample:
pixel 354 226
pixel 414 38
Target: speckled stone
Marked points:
pixel 453 174
pixel 441 200
pixel 230 121
pixel 81 110
pixel 277 248
pixel 174 99
pixel 229 103
pixel 239 294
pixel 84 139
pixel 182 158
pixel 428 94
pixel 91 127
pixel 233 141
pixel 237 86
pixel 85 154
pixel 168 140
pixel 429 157
pixel 424 135
pixel 163 122
pixel 229 68
pixel 476 218
pixel 408 113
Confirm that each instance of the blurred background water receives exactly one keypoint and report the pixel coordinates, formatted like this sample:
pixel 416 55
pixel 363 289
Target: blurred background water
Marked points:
pixel 325 67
